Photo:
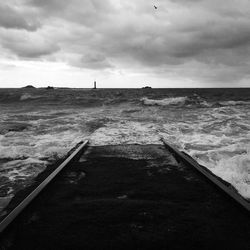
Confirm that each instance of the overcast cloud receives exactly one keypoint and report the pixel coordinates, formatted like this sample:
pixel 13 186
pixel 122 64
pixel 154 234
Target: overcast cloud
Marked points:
pixel 204 42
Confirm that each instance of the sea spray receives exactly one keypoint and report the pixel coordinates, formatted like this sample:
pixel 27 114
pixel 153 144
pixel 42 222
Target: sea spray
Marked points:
pixel 165 101
pixel 233 168
pixel 188 101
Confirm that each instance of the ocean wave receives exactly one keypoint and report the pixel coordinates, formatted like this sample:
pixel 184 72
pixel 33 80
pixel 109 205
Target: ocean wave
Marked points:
pixel 28 96
pixel 13 127
pixel 193 123
pixel 165 101
pixel 29 167
pixel 233 167
pixel 24 155
pixel 234 103
pixel 188 101
pixel 17 174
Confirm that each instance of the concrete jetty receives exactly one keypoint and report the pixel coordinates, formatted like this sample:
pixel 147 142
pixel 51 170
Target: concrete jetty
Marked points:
pixel 130 197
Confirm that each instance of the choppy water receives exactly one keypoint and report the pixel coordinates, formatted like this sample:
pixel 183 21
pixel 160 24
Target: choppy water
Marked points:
pixel 38 126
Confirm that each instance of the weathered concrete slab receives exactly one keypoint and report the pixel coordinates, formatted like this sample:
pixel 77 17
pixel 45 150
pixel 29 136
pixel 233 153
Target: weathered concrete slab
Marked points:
pixel 130 197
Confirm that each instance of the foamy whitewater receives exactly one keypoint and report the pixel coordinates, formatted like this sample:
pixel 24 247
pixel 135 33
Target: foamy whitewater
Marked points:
pixel 39 126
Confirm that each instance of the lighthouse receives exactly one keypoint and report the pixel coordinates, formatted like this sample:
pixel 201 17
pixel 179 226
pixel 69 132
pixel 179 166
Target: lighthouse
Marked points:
pixel 94 85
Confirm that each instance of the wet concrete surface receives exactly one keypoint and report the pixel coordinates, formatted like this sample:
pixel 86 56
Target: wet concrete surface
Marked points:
pixel 130 197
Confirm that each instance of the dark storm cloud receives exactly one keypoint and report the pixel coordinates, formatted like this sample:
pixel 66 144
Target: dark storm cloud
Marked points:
pixel 83 12
pixel 34 51
pixel 94 61
pixel 198 39
pixel 12 18
pixel 187 1
pixel 27 45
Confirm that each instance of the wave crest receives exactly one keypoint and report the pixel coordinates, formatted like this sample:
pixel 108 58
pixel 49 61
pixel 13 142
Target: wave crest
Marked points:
pixel 233 167
pixel 234 103
pixel 165 101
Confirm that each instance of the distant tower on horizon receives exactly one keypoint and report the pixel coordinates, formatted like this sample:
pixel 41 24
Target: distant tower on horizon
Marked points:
pixel 94 85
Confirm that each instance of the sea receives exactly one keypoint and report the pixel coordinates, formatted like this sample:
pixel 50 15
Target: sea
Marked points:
pixel 39 126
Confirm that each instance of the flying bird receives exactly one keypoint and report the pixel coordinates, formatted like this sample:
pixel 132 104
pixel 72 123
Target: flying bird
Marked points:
pixel 155 7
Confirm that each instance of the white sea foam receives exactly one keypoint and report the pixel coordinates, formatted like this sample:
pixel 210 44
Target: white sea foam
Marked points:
pixel 26 153
pixel 51 145
pixel 17 169
pixel 126 132
pixel 234 103
pixel 233 168
pixel 165 101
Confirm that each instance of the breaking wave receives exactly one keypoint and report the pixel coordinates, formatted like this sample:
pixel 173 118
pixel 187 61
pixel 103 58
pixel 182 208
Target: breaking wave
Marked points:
pixel 27 96
pixel 188 101
pixel 234 103
pixel 165 101
pixel 231 163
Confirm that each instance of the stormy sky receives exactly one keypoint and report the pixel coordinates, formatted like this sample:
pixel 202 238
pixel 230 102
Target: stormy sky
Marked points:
pixel 125 43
